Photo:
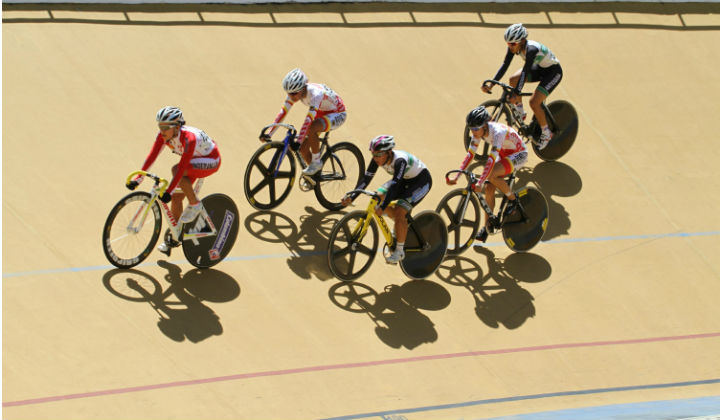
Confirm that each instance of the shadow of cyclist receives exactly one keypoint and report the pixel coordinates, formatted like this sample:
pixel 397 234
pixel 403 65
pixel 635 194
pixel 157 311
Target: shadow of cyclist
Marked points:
pixel 499 298
pixel 307 244
pixel 396 311
pixel 180 308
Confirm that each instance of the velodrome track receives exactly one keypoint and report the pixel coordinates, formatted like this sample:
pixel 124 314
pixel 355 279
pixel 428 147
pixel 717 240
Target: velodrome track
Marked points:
pixel 618 304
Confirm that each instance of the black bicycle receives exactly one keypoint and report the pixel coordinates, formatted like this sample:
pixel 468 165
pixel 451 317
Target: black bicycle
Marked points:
pixel 271 172
pixel 561 117
pixel 522 229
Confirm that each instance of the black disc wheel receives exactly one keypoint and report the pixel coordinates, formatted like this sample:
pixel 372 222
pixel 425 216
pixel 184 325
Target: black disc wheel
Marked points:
pixel 207 251
pixel 524 228
pixel 269 176
pixel 425 245
pixel 564 130
pixel 131 230
pixel 350 250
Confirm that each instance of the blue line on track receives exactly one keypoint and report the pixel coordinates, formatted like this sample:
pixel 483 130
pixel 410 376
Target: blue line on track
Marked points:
pixel 286 255
pixel 523 398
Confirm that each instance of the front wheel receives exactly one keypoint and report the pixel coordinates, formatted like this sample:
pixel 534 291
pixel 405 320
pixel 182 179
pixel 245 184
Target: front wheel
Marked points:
pixel 131 230
pixel 205 252
pixel 343 167
pixel 524 228
pixel 460 211
pixel 269 176
pixel 425 245
pixel 351 251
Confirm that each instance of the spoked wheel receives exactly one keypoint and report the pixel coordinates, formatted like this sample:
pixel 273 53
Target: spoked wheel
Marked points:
pixel 521 234
pixel 266 182
pixel 207 251
pixel 460 211
pixel 497 113
pixel 423 262
pixel 343 166
pixel 564 131
pixel 350 254
pixel 127 237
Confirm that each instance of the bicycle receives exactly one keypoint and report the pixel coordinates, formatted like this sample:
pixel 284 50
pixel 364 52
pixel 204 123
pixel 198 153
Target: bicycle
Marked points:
pixel 522 229
pixel 354 240
pixel 127 240
pixel 561 116
pixel 269 176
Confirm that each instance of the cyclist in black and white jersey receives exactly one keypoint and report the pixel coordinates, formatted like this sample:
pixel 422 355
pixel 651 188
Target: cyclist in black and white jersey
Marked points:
pixel 410 183
pixel 541 65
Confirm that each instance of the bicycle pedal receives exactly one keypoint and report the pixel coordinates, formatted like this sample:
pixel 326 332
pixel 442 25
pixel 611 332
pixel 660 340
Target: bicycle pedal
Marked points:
pixel 306 183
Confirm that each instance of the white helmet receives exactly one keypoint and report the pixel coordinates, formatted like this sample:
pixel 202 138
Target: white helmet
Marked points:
pixel 515 33
pixel 382 143
pixel 170 115
pixel 294 81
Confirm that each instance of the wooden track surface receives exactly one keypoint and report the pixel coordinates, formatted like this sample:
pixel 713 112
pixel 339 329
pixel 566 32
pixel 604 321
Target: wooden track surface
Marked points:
pixel 618 304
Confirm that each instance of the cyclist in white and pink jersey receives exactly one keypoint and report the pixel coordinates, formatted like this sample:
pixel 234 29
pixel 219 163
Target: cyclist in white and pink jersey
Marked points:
pixel 200 158
pixel 327 112
pixel 507 149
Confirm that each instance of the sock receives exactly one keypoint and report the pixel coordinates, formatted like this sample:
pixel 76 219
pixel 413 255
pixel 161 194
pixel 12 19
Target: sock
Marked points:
pixel 316 156
pixel 400 246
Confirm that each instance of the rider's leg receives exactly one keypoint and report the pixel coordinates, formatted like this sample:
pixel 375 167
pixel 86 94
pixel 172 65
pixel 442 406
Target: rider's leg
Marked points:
pixel 536 101
pixel 517 99
pixel 310 148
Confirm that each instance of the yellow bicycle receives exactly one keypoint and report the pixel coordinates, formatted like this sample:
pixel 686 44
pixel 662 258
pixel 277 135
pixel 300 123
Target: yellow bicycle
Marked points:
pixel 354 242
pixel 133 227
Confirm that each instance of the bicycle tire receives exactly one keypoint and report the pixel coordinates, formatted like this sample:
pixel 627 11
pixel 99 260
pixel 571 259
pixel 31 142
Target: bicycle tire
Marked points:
pixel 522 236
pixel 210 250
pixel 126 249
pixel 344 249
pixel 423 263
pixel 497 113
pixel 340 173
pixel 460 238
pixel 261 183
pixel 564 132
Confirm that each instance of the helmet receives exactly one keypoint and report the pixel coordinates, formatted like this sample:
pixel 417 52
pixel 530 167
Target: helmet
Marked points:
pixel 477 117
pixel 515 33
pixel 382 143
pixel 294 81
pixel 170 114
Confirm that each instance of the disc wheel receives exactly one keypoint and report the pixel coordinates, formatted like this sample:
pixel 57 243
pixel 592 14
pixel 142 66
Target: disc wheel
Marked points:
pixel 521 234
pixel 424 253
pixel 208 251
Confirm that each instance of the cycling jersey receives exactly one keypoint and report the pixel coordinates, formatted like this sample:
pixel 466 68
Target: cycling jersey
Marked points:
pixel 405 169
pixel 198 153
pixel 511 151
pixel 323 103
pixel 537 57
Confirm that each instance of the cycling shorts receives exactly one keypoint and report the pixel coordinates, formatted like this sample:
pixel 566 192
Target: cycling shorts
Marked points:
pixel 410 191
pixel 514 161
pixel 332 120
pixel 549 77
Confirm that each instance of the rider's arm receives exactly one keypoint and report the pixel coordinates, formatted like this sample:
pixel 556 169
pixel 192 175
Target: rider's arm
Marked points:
pixel 491 161
pixel 281 116
pixel 530 54
pixel 472 149
pixel 400 165
pixel 184 165
pixel 365 180
pixel 154 152
pixel 506 63
pixel 309 118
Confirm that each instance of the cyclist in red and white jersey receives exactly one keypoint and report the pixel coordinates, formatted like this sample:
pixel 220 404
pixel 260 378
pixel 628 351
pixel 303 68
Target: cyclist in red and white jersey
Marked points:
pixel 200 158
pixel 326 112
pixel 507 153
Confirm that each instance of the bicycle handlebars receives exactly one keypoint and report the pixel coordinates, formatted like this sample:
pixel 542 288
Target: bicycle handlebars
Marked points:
pixel 289 128
pixel 158 180
pixel 469 175
pixel 507 89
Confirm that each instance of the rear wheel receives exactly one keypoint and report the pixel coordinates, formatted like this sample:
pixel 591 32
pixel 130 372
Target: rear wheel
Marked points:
pixel 350 253
pixel 564 130
pixel 127 237
pixel 523 233
pixel 425 245
pixel 343 166
pixel 269 176
pixel 207 251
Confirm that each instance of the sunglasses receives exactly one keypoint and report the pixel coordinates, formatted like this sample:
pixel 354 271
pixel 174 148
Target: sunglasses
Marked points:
pixel 165 127
pixel 379 154
pixel 512 44
pixel 475 128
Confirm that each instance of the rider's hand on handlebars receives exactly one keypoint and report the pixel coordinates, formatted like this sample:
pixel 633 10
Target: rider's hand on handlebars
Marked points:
pixel 132 185
pixel 451 180
pixel 165 197
pixel 264 138
pixel 295 145
pixel 487 88
pixel 346 201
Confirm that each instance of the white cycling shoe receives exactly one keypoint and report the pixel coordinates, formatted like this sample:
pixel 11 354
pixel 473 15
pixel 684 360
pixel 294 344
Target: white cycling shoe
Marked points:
pixel 191 212
pixel 313 168
pixel 545 139
pixel 395 257
pixel 164 248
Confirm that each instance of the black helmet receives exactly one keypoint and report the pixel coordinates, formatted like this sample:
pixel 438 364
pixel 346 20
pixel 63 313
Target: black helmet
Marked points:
pixel 477 117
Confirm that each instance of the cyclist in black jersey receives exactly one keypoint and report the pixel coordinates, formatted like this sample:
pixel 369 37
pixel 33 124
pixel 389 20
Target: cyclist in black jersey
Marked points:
pixel 541 66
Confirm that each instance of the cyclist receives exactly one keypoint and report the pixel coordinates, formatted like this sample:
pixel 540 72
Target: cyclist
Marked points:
pixel 200 158
pixel 327 112
pixel 410 183
pixel 507 149
pixel 540 65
